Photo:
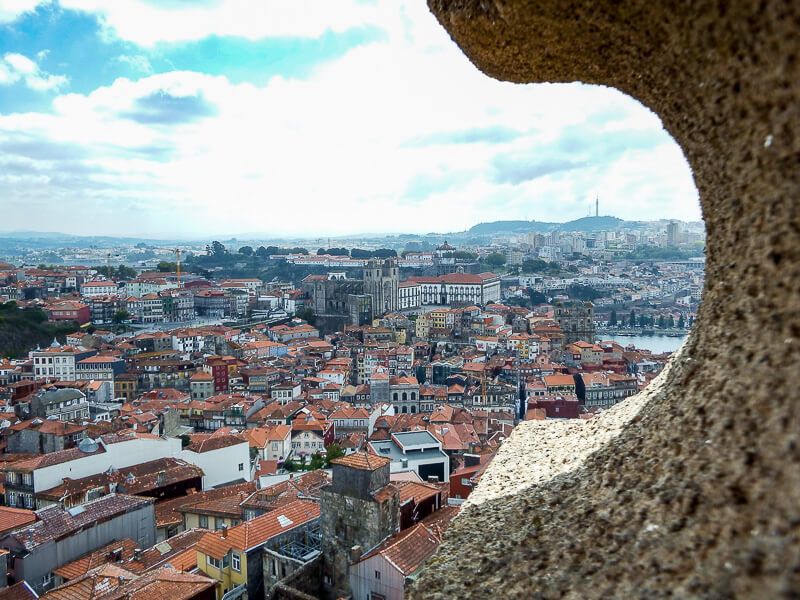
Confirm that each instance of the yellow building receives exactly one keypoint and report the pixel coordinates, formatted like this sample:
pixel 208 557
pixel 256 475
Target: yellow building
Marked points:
pixel 233 557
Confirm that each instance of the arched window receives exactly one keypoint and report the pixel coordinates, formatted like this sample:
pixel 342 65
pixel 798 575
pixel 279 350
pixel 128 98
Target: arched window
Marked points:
pixel 405 409
pixel 413 409
pixel 395 396
pixel 405 397
pixel 413 395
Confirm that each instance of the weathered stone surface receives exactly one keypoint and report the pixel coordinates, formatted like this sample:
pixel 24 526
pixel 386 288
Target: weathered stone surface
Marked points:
pixel 699 494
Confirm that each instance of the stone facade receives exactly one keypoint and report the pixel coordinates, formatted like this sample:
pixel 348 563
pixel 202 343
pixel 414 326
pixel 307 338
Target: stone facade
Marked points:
pixel 576 320
pixel 359 509
pixel 698 494
pixel 381 282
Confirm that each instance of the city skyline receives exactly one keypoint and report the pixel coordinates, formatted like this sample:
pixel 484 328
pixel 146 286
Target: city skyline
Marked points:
pixel 242 121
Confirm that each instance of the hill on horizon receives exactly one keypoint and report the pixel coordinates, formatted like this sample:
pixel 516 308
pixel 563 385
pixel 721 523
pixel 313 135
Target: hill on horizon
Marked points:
pixel 600 223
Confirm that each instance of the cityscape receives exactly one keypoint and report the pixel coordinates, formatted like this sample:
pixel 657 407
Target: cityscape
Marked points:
pixel 263 427
pixel 269 314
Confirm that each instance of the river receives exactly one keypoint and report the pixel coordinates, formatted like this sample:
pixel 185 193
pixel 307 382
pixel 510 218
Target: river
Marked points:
pixel 656 343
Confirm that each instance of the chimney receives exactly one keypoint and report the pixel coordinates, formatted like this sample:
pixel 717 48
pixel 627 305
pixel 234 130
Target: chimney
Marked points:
pixel 224 531
pixel 162 478
pixel 137 554
pixel 355 553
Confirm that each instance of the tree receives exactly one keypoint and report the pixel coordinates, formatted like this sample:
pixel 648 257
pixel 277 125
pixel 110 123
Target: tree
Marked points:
pixel 612 321
pixel 360 253
pixel 167 267
pixel 632 319
pixel 121 315
pixel 681 322
pixel 261 252
pixel 670 322
pixel 307 315
pixel 246 251
pixel 317 462
pixel 495 259
pixel 333 451
pixel 537 297
pixel 661 322
pixel 385 253
pixel 217 249
pixel 534 266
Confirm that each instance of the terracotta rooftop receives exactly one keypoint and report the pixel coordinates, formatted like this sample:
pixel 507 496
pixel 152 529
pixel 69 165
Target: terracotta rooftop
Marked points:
pixel 168 511
pixel 18 591
pixel 55 523
pixel 258 531
pixel 97 558
pixel 12 518
pixel 362 460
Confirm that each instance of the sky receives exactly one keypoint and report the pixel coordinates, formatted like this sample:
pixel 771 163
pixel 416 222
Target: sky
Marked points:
pixel 193 118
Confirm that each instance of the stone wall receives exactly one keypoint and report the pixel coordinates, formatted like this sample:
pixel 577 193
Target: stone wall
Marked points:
pixel 695 491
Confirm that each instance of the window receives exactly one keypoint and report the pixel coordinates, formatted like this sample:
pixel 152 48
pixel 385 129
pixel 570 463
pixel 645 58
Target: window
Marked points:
pixel 226 561
pixel 214 562
pixel 236 562
pixel 377 575
pixel 12 498
pixel 241 466
pixel 203 521
pixel 47 580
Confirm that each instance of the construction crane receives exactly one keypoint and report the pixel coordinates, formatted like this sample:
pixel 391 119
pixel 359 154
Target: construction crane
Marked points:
pixel 177 252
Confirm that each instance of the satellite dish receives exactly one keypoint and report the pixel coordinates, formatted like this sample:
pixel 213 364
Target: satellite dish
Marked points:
pixel 88 445
pixel 5 423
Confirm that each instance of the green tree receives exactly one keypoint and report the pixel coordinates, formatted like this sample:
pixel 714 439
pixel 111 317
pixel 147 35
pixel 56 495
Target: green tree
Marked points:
pixel 333 451
pixel 360 253
pixel 167 267
pixel 681 322
pixel 217 249
pixel 661 322
pixel 495 259
pixel 317 462
pixel 612 321
pixel 261 252
pixel 537 297
pixel 670 322
pixel 385 253
pixel 121 315
pixel 307 315
pixel 632 319
pixel 246 250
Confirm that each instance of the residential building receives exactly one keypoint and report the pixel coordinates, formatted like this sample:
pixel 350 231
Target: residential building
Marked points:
pixel 417 451
pixel 60 536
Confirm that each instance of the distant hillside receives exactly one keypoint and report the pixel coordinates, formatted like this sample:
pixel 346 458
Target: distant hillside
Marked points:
pixel 511 227
pixel 592 224
pixel 584 224
pixel 23 330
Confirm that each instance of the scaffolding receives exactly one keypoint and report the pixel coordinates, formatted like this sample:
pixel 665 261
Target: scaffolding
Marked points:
pixel 303 548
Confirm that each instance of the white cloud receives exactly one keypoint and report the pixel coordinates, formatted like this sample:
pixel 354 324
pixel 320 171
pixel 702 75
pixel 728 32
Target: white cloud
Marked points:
pixel 10 10
pixel 138 62
pixel 147 22
pixel 16 67
pixel 342 151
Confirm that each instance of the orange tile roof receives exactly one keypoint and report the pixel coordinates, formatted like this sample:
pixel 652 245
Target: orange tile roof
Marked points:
pixel 256 532
pixel 12 518
pixel 362 460
pixel 96 558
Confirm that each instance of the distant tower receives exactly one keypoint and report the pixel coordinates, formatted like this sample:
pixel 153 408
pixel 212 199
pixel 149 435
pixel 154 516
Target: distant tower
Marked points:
pixel 381 281
pixel 597 207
